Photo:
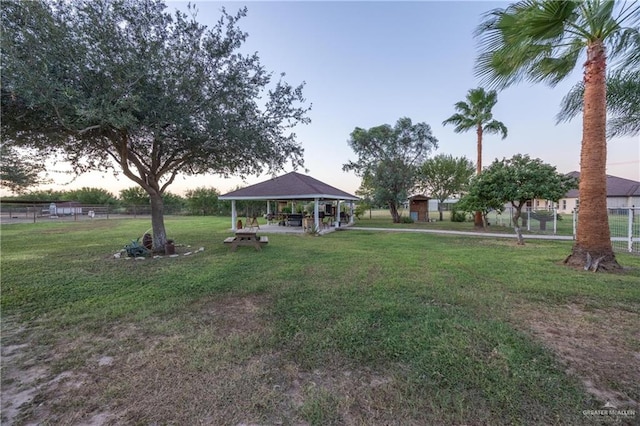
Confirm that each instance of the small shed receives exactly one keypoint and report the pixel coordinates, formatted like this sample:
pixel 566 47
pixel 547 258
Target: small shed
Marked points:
pixel 419 208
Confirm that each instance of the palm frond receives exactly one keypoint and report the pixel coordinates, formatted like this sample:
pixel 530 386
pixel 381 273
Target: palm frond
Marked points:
pixel 496 127
pixel 542 41
pixel 554 69
pixel 571 104
pixel 625 48
pixel 462 123
pixel 623 103
pixel 463 108
pixel 623 126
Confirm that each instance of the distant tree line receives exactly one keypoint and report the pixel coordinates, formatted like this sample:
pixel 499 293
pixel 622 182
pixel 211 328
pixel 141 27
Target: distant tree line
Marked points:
pixel 201 201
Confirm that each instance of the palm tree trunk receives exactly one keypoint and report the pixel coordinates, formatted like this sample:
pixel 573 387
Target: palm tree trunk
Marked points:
pixel 477 219
pixel 593 239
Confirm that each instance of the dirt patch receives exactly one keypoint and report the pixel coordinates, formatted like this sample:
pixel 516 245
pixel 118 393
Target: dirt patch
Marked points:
pixel 212 363
pixel 601 347
pixel 231 314
pixel 23 376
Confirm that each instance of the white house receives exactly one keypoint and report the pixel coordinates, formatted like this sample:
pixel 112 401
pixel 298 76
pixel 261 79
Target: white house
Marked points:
pixel 620 193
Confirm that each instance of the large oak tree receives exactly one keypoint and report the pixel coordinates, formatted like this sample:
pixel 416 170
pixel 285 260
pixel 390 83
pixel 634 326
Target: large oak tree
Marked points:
pixel 126 85
pixel 389 158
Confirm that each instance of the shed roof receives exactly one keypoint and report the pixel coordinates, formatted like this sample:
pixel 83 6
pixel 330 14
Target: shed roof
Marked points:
pixel 291 186
pixel 616 187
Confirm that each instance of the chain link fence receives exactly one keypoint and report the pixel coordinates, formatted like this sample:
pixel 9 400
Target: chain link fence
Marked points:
pixel 37 212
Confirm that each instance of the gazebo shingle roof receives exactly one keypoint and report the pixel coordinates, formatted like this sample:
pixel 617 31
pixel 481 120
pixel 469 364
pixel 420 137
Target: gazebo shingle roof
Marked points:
pixel 291 186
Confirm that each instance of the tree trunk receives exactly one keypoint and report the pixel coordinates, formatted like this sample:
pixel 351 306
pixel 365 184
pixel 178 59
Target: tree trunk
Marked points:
pixel 517 213
pixel 477 218
pixel 394 212
pixel 593 238
pixel 440 205
pixel 157 222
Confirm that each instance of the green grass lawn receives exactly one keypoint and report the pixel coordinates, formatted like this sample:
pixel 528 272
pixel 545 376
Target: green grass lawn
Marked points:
pixel 498 223
pixel 353 327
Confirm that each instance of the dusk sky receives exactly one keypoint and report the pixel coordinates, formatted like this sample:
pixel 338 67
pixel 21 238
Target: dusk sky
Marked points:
pixel 370 63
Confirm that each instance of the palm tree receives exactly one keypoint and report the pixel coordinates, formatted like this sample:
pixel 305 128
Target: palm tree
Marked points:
pixel 476 114
pixel 543 41
pixel 623 103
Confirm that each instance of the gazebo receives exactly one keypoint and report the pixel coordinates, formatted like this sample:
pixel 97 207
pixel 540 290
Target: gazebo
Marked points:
pixel 292 186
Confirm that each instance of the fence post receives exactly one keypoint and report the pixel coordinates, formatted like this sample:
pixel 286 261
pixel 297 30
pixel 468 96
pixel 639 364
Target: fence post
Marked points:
pixel 630 227
pixel 575 217
pixel 529 219
pixel 555 220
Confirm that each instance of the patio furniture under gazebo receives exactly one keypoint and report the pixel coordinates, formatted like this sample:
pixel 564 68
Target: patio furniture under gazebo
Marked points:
pixel 293 187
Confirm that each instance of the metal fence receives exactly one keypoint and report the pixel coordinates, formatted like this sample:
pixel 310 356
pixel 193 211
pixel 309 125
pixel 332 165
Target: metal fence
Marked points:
pixel 537 221
pixel 37 212
pixel 624 224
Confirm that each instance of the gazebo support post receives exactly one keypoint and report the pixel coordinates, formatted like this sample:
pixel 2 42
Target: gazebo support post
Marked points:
pixel 316 215
pixel 234 215
pixel 351 221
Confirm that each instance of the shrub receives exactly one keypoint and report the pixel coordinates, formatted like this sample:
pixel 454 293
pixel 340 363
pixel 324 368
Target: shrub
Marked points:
pixel 406 219
pixel 458 215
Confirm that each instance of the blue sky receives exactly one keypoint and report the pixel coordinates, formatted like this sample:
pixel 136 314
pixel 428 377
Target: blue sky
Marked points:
pixel 370 63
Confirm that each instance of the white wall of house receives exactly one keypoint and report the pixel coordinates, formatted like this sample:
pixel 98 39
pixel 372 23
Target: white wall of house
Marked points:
pixel 567 205
pixel 615 202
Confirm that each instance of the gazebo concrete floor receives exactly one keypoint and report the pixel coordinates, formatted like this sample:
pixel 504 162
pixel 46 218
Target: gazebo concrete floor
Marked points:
pixel 278 229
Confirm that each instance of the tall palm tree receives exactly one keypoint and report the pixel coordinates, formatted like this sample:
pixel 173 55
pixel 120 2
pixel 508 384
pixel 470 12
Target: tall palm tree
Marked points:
pixel 623 103
pixel 476 114
pixel 543 41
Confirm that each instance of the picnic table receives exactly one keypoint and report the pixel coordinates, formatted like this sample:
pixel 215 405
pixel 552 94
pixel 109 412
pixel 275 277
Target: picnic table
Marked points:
pixel 245 237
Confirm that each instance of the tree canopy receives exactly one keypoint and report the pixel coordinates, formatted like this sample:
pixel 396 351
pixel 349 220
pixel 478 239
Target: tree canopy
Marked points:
pixel 124 84
pixel 517 180
pixel 443 176
pixel 477 114
pixel 19 172
pixel 202 201
pixel 388 159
